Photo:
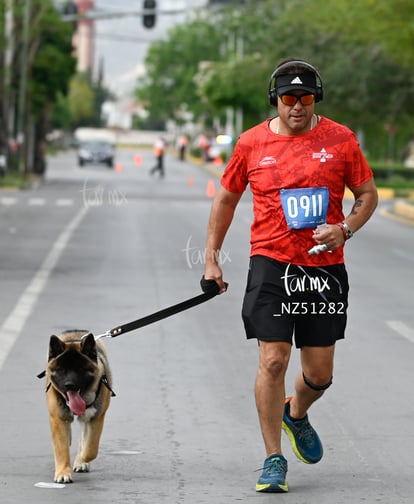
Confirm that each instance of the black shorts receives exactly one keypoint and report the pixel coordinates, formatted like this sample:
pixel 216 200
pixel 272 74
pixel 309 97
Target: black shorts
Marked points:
pixel 283 300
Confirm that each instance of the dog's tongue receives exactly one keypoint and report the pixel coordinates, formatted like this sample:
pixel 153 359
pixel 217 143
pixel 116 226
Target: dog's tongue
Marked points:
pixel 76 403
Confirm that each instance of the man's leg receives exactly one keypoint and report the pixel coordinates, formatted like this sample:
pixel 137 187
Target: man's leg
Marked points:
pixel 161 166
pixel 316 377
pixel 317 367
pixel 270 398
pixel 270 392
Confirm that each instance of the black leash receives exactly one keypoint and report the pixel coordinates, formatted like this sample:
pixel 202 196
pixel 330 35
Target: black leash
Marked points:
pixel 210 289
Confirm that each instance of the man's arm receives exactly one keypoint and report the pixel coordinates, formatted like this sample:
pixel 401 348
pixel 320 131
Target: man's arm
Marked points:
pixel 366 200
pixel 221 216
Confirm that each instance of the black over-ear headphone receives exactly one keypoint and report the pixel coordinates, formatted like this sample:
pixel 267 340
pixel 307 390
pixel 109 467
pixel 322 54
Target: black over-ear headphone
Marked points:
pixel 272 90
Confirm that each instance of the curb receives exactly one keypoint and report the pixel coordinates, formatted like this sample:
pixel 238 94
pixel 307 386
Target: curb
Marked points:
pixel 212 170
pixel 404 210
pixel 384 193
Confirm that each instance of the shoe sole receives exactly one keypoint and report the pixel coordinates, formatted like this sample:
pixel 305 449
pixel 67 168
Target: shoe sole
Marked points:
pixel 292 440
pixel 268 487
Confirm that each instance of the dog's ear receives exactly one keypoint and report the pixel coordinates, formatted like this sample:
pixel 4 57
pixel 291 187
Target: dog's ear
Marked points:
pixel 56 347
pixel 88 347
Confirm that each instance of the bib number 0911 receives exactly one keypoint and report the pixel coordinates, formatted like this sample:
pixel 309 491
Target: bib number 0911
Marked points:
pixel 311 205
pixel 305 207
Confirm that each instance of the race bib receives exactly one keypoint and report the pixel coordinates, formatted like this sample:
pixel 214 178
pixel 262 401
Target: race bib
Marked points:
pixel 305 207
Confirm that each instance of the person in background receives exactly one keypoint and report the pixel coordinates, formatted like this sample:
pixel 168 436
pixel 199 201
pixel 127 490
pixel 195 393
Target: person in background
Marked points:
pixel 297 165
pixel 204 144
pixel 159 150
pixel 182 145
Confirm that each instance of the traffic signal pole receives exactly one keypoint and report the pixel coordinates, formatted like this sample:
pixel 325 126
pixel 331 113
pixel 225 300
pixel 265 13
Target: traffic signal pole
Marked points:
pixel 96 15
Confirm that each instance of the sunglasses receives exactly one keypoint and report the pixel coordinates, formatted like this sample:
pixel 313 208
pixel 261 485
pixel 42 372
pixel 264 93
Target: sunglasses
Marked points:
pixel 291 100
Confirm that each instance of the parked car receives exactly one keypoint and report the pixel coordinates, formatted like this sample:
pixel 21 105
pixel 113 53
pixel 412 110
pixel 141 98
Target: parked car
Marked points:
pixel 96 152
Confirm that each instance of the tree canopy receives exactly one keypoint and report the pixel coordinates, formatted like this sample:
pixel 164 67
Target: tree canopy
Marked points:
pixel 172 65
pixel 363 50
pixel 39 87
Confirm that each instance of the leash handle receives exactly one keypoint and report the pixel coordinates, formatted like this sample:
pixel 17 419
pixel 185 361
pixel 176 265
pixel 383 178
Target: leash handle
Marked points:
pixel 210 288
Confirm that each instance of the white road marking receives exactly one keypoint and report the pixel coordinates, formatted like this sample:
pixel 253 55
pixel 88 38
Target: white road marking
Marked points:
pixel 126 452
pixel 62 202
pixel 402 329
pixel 8 201
pixel 13 325
pixel 45 484
pixel 36 201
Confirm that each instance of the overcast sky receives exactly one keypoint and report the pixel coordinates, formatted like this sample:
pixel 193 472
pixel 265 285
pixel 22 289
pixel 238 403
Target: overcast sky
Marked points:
pixel 123 57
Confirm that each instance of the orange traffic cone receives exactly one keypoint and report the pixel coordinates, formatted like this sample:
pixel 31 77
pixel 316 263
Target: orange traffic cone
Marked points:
pixel 119 167
pixel 211 189
pixel 190 181
pixel 137 160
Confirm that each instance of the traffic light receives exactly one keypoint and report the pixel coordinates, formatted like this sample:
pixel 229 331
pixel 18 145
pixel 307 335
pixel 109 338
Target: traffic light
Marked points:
pixel 149 19
pixel 69 12
pixel 69 8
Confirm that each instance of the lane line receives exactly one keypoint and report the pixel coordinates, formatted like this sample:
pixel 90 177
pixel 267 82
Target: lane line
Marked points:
pixel 36 202
pixel 64 202
pixel 8 201
pixel 13 325
pixel 402 329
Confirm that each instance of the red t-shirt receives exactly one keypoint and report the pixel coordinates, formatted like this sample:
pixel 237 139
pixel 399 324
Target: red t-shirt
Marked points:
pixel 328 157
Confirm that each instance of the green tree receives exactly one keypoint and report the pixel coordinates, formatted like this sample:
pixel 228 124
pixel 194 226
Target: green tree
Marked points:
pixel 81 100
pixel 388 24
pixel 61 118
pixel 168 87
pixel 365 51
pixel 3 84
pixel 368 84
pixel 37 54
pixel 50 72
pixel 82 104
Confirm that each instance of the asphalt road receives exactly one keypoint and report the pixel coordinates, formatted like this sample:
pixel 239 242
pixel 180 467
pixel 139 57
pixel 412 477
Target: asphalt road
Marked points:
pixel 92 248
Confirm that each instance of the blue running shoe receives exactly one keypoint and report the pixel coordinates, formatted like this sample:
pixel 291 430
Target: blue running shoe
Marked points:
pixel 273 478
pixel 303 437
